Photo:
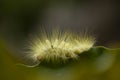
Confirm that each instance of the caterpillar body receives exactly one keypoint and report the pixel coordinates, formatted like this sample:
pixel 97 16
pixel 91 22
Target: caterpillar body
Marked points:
pixel 59 46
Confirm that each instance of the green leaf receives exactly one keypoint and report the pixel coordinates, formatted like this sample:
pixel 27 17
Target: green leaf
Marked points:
pixel 95 61
pixel 89 56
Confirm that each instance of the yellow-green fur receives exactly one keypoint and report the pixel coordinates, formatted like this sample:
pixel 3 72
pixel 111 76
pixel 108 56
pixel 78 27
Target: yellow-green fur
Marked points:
pixel 58 46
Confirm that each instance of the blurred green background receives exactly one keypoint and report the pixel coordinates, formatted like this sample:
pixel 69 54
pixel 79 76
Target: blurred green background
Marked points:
pixel 23 18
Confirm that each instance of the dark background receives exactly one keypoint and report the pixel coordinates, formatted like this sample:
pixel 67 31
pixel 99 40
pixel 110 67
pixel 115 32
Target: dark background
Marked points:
pixel 21 18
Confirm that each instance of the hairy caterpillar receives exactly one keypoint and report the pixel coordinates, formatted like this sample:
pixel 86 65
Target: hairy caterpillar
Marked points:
pixel 58 46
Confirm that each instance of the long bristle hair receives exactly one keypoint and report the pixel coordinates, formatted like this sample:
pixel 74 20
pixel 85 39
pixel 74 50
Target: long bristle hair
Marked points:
pixel 58 46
